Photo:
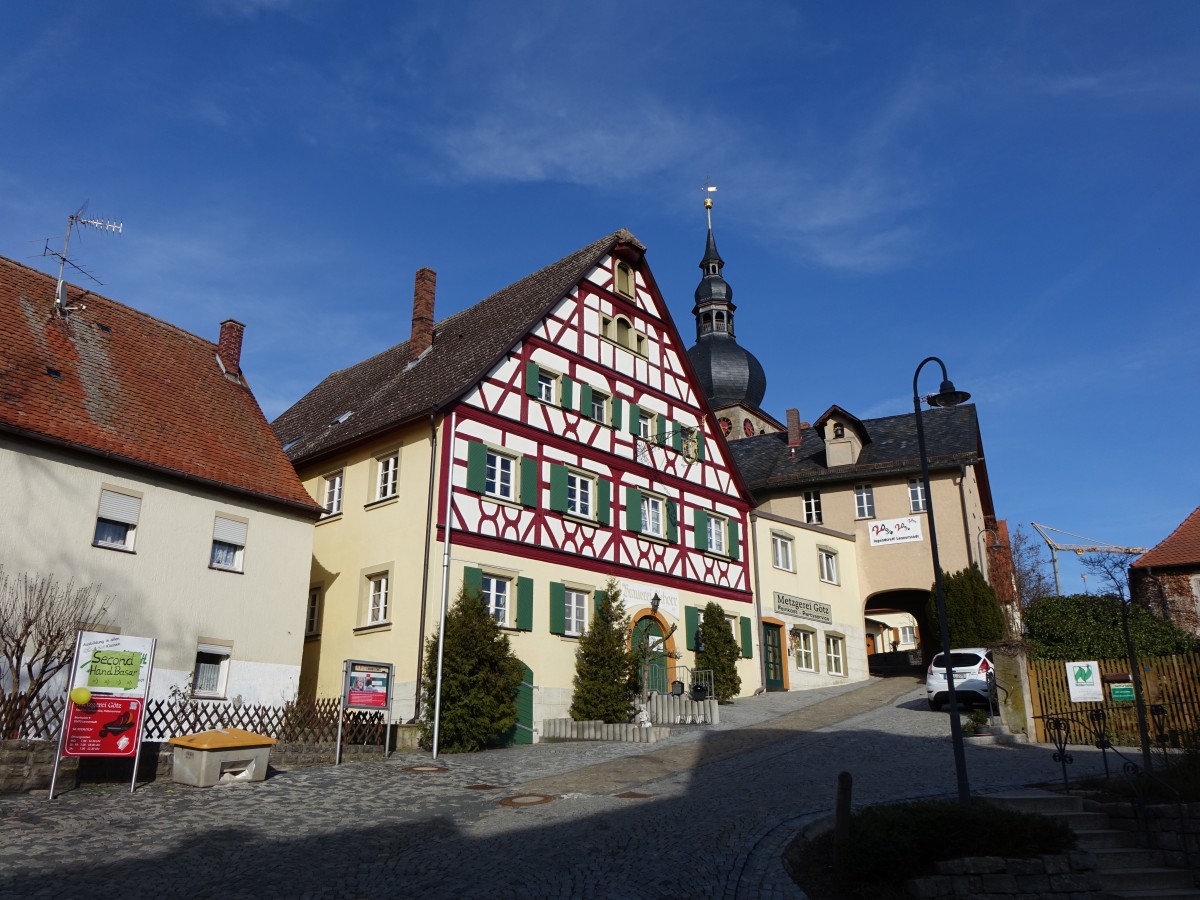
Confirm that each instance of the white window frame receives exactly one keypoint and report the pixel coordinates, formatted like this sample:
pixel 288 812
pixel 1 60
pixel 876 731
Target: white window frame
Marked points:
pixel 334 485
pixel 827 565
pixel 118 513
pixel 213 682
pixel 312 616
pixel 646 426
pixel 228 545
pixel 782 555
pixel 916 495
pixel 378 598
pixel 908 634
pixel 497 593
pixel 812 508
pixel 500 475
pixel 581 494
pixel 835 654
pixel 387 476
pixel 805 652
pixel 575 611
pixel 547 386
pixel 718 534
pixel 654 515
pixel 864 501
pixel 599 407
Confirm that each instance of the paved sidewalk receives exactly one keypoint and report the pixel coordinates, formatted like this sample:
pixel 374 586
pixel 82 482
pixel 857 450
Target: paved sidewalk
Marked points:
pixel 712 810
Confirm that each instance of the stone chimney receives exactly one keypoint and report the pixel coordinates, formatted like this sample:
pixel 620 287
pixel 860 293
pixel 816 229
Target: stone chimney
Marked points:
pixel 422 318
pixel 229 348
pixel 794 428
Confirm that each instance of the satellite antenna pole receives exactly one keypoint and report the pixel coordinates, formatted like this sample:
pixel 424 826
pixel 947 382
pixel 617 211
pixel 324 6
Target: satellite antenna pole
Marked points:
pixel 77 218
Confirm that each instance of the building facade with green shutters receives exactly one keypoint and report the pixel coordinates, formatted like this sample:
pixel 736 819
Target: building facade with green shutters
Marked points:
pixel 531 448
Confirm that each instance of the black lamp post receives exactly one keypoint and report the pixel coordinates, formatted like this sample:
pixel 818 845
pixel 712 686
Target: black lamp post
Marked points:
pixel 946 396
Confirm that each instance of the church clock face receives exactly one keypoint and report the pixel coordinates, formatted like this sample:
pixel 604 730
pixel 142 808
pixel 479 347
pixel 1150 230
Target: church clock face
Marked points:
pixel 726 425
pixel 748 427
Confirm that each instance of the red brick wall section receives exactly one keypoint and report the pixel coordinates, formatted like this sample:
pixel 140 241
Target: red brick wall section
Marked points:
pixel 230 346
pixel 422 319
pixel 1167 594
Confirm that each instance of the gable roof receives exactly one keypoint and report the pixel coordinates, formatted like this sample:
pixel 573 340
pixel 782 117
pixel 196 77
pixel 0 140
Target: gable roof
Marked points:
pixel 890 448
pixel 1180 548
pixel 397 386
pixel 112 381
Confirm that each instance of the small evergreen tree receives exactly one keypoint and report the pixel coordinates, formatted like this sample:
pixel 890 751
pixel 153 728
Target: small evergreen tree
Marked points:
pixel 604 685
pixel 972 611
pixel 721 652
pixel 480 678
pixel 1085 626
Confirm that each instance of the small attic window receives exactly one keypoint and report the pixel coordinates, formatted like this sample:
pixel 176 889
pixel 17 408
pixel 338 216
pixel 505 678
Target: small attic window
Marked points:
pixel 104 328
pixel 292 443
pixel 53 373
pixel 624 279
pixel 342 418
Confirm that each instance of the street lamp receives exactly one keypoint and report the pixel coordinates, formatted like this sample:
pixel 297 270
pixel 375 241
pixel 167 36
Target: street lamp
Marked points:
pixel 946 396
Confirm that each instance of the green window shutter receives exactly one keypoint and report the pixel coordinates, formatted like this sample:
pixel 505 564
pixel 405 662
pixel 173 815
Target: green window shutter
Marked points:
pixel 558 487
pixel 747 638
pixel 532 371
pixel 598 597
pixel 635 419
pixel 585 400
pixel 691 624
pixel 660 429
pixel 476 466
pixel 734 542
pixel 676 436
pixel 700 526
pixel 473 581
pixel 699 445
pixel 558 605
pixel 633 509
pixel 568 393
pixel 672 521
pixel 525 604
pixel 616 412
pixel 529 481
pixel 603 502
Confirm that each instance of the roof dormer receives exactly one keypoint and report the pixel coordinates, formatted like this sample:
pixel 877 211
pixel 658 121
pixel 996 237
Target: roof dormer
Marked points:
pixel 844 436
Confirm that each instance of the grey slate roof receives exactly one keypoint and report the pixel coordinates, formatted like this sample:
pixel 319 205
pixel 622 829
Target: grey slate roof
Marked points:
pixel 951 437
pixel 385 391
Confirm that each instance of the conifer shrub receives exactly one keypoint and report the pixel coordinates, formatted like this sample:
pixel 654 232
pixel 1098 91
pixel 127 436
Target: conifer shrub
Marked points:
pixel 972 611
pixel 721 652
pixel 605 683
pixel 480 678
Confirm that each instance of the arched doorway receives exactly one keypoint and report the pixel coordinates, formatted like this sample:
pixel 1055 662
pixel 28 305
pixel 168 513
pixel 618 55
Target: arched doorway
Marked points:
pixel 650 652
pixel 909 655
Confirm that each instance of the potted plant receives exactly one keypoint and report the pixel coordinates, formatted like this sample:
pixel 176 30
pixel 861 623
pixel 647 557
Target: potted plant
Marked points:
pixel 977 724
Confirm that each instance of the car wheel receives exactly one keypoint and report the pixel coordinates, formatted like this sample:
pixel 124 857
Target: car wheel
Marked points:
pixel 935 704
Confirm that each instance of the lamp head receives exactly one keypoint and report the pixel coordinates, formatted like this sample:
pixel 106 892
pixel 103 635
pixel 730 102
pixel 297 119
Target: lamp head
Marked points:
pixel 654 602
pixel 947 396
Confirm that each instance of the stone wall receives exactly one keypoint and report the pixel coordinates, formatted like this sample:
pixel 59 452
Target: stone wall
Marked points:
pixel 1173 828
pixel 1067 875
pixel 29 766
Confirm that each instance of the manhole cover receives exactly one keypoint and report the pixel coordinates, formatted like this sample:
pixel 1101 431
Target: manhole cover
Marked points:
pixel 526 800
pixel 483 787
pixel 424 770
pixel 633 795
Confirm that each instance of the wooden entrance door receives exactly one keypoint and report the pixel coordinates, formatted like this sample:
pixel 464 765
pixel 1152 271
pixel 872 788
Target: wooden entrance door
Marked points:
pixel 773 653
pixel 870 644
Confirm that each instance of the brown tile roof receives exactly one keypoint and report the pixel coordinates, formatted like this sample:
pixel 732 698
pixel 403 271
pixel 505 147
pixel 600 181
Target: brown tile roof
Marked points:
pixel 393 387
pixel 1180 548
pixel 132 388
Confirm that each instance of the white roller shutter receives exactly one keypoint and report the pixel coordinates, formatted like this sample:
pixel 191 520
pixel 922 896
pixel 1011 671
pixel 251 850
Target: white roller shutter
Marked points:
pixel 119 507
pixel 229 531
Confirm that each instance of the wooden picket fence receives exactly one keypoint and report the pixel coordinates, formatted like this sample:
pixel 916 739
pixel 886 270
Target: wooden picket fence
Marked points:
pixel 300 722
pixel 1170 682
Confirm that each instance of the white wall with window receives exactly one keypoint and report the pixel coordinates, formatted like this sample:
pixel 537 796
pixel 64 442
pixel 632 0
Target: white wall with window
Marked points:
pixel 864 501
pixel 496 592
pixel 229 543
pixel 387 476
pixel 333 493
pixel 835 654
pixel 116 520
pixel 812 507
pixel 782 552
pixel 916 495
pixel 827 561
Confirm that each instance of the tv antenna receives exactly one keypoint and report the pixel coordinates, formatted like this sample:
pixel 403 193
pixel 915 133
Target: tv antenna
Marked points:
pixel 77 219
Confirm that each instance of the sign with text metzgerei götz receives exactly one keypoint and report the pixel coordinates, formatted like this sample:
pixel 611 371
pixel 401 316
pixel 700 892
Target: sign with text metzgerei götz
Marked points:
pixel 113 673
pixel 367 684
pixel 895 531
pixel 803 609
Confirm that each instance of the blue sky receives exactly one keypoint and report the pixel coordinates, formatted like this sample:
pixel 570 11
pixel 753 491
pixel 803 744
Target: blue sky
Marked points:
pixel 1009 186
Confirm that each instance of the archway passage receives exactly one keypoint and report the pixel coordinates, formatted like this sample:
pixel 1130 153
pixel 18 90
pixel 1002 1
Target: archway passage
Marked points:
pixel 891 656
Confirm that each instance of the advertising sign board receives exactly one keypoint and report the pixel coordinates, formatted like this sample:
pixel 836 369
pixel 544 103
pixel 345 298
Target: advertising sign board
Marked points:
pixel 1121 692
pixel 106 695
pixel 895 531
pixel 812 610
pixel 1083 680
pixel 367 685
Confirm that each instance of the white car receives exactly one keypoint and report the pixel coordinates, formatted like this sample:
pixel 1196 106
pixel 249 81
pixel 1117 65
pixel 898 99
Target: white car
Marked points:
pixel 971 668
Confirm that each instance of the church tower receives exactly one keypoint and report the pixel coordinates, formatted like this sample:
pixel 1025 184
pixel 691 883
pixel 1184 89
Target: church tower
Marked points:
pixel 732 378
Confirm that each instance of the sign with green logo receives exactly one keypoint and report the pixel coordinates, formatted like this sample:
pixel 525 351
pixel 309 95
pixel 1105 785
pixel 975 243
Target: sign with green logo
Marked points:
pixel 1121 691
pixel 1083 679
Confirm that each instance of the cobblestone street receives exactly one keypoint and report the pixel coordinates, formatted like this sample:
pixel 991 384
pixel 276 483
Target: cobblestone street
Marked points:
pixel 711 812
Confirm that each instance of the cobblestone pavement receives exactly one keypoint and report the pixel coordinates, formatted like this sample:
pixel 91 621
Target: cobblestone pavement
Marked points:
pixel 713 809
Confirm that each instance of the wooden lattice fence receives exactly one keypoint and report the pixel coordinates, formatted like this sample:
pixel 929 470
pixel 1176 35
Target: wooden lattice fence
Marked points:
pixel 301 722
pixel 1169 682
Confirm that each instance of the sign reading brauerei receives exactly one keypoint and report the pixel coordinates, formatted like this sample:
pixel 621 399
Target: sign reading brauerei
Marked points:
pixel 812 610
pixel 895 531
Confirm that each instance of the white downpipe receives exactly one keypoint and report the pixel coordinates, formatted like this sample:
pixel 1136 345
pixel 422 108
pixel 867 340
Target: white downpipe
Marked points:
pixel 437 698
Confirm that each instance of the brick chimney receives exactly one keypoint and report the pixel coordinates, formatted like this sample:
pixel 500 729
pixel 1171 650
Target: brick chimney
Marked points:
pixel 422 319
pixel 795 428
pixel 229 348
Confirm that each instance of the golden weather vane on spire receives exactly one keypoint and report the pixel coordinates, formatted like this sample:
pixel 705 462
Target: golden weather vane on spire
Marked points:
pixel 709 189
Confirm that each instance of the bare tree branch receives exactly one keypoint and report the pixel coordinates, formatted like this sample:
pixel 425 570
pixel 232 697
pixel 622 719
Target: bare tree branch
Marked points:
pixel 1112 567
pixel 1031 568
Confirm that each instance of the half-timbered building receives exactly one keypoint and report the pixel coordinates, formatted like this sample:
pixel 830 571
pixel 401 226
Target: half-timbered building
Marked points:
pixel 531 447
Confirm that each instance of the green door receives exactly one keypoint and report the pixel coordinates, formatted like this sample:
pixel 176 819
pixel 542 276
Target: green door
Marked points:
pixel 522 732
pixel 773 653
pixel 650 653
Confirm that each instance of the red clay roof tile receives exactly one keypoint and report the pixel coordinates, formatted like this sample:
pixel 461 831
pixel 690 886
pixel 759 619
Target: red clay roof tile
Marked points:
pixel 1180 548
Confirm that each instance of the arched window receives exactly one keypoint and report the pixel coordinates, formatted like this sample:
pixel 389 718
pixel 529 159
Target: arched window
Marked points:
pixel 624 332
pixel 624 279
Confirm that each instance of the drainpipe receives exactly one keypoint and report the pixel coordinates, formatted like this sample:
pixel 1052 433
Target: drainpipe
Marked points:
pixel 429 529
pixel 437 701
pixel 962 501
pixel 762 657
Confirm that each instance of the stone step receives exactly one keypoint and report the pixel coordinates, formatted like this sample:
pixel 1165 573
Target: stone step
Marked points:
pixel 1078 820
pixel 1144 879
pixel 1127 857
pixel 1036 801
pixel 1156 894
pixel 1105 838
